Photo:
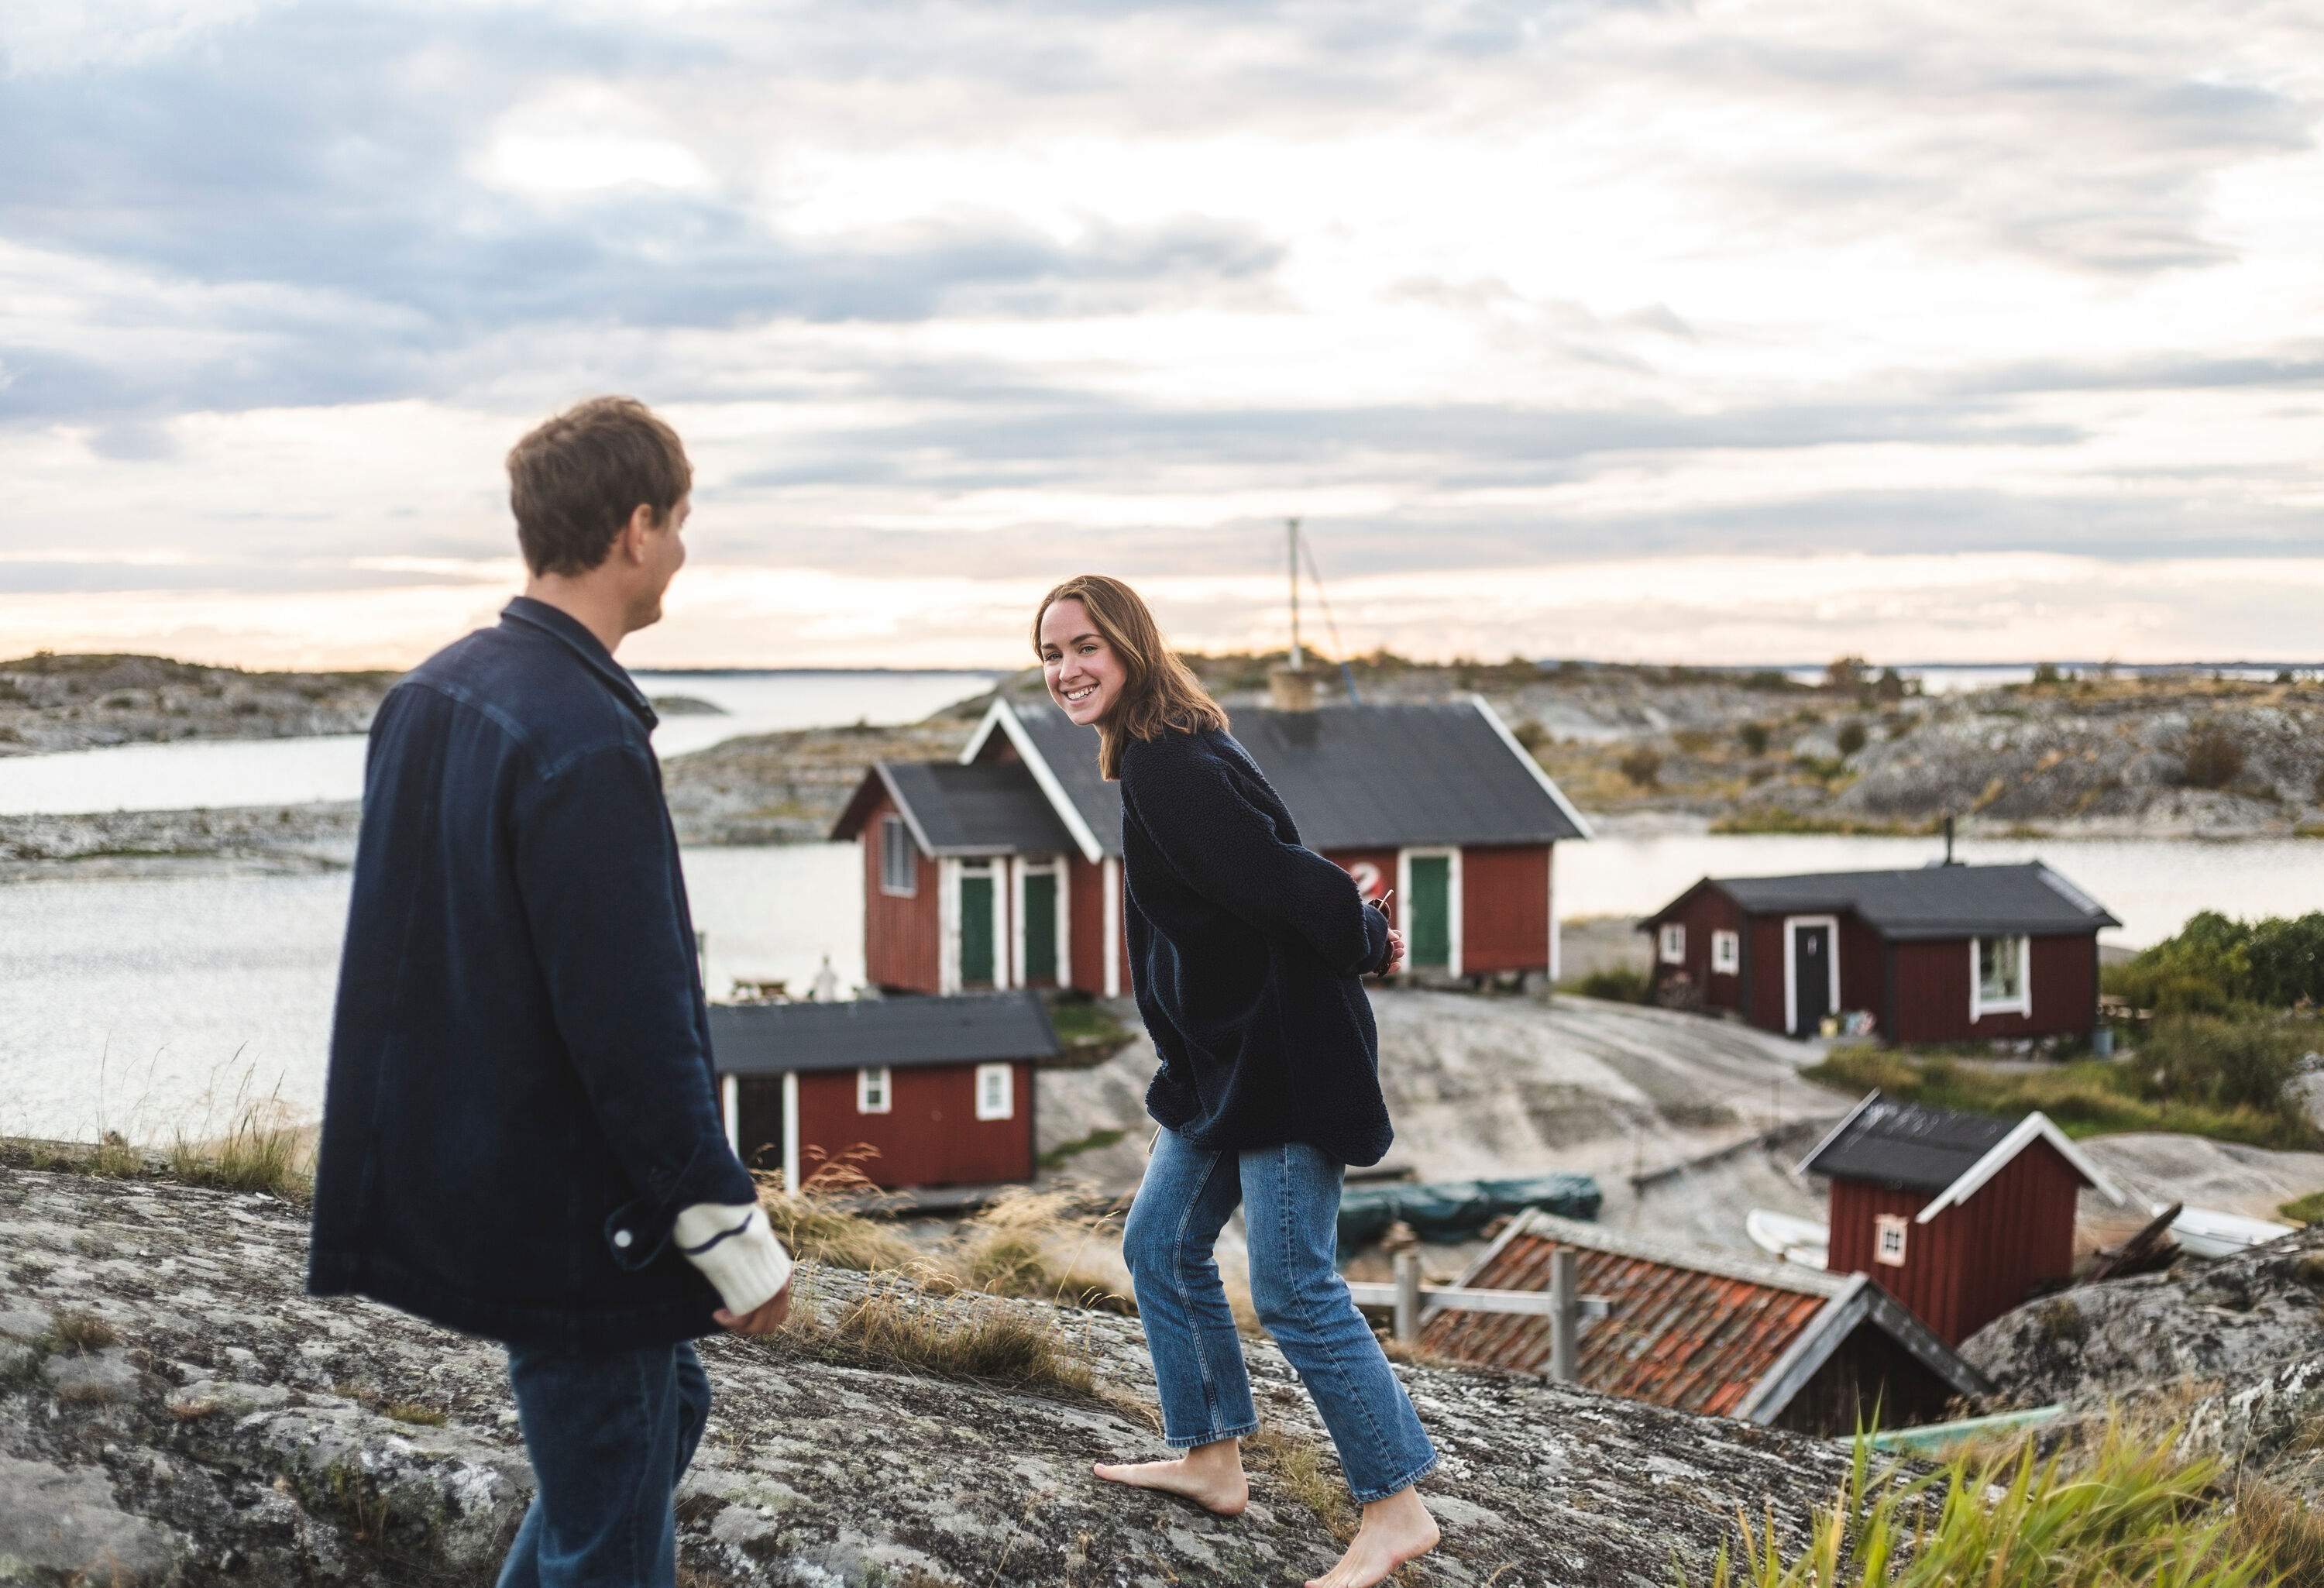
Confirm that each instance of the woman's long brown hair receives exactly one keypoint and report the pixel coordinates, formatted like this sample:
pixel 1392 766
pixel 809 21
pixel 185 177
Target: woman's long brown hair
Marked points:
pixel 1159 691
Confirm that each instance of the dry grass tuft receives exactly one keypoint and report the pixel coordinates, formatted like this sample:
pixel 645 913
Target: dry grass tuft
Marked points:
pixel 1299 1466
pixel 82 1330
pixel 412 1411
pixel 819 1222
pixel 2280 1528
pixel 193 1411
pixel 88 1394
pixel 262 1150
pixel 960 1335
pixel 1006 1251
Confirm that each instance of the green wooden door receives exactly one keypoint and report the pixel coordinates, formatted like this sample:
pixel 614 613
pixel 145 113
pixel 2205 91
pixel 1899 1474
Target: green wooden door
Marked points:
pixel 975 929
pixel 1040 926
pixel 1428 921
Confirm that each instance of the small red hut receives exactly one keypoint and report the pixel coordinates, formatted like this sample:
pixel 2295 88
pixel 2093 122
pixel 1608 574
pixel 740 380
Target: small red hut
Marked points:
pixel 943 1088
pixel 1961 1217
pixel 1004 869
pixel 1939 953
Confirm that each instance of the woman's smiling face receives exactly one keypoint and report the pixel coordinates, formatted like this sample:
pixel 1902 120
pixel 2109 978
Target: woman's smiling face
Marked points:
pixel 1084 675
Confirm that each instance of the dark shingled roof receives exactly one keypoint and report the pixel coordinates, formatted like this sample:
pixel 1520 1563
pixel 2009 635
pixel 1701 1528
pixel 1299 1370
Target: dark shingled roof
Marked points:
pixel 1905 1144
pixel 985 809
pixel 1354 776
pixel 1930 901
pixel 768 1038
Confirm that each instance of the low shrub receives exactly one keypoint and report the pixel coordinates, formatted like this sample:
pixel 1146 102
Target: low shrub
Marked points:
pixel 1851 738
pixel 2209 757
pixel 2225 1064
pixel 1754 738
pixel 1641 766
pixel 2305 1210
pixel 2214 965
pixel 1618 983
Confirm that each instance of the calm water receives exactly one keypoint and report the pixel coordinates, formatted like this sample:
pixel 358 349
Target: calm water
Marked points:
pixel 144 1005
pixel 295 771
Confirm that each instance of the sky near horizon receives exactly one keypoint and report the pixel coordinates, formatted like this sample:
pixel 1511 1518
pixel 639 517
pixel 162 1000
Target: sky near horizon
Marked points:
pixel 1734 331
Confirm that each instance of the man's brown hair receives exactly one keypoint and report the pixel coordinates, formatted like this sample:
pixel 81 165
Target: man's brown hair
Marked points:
pixel 1159 691
pixel 574 481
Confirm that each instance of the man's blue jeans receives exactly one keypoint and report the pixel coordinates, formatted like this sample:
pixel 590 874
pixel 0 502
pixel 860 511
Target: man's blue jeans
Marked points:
pixel 610 1433
pixel 1290 1197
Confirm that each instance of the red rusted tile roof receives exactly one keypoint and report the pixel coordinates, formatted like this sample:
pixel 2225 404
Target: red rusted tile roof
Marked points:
pixel 1694 1332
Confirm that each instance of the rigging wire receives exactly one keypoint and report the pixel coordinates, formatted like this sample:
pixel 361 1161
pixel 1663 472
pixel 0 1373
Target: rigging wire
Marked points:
pixel 1347 673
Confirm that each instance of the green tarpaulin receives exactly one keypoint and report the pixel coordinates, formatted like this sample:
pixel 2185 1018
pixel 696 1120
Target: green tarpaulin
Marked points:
pixel 1457 1210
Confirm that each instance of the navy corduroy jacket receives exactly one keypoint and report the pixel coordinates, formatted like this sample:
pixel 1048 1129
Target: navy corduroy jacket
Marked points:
pixel 1246 952
pixel 521 1096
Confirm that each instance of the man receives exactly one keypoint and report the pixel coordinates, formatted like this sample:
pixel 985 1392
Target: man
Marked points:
pixel 519 1134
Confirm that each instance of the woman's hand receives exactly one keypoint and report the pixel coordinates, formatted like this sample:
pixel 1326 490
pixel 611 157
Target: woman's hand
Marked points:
pixel 1395 953
pixel 766 1320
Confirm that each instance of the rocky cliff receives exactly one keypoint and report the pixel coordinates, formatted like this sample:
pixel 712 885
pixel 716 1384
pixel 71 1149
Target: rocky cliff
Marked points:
pixel 174 1409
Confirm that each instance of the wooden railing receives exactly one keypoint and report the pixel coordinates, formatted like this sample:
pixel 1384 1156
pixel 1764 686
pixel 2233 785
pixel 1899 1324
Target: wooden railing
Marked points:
pixel 1569 1312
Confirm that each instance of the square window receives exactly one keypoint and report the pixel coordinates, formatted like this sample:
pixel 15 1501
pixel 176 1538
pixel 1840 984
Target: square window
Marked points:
pixel 873 1093
pixel 898 867
pixel 1725 953
pixel 1675 942
pixel 996 1092
pixel 2001 976
pixel 1889 1239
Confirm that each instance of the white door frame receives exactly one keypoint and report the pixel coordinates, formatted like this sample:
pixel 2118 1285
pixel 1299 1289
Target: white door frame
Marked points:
pixel 790 1132
pixel 1048 866
pixel 1404 859
pixel 1111 869
pixel 1790 966
pixel 950 872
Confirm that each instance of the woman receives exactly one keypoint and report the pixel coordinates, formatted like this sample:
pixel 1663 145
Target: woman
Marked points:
pixel 1246 951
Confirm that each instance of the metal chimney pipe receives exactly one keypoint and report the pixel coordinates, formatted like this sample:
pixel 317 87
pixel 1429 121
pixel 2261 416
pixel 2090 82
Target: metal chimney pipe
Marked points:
pixel 1949 839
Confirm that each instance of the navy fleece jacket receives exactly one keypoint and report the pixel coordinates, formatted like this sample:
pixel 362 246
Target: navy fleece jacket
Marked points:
pixel 1245 951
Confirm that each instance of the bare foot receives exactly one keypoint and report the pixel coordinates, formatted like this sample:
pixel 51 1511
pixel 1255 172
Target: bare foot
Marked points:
pixel 1210 1476
pixel 1395 1530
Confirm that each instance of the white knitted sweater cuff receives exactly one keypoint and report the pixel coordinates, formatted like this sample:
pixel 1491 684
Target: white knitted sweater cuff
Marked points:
pixel 736 1252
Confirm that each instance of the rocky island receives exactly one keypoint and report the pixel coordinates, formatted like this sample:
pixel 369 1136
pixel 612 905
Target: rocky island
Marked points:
pixel 174 1408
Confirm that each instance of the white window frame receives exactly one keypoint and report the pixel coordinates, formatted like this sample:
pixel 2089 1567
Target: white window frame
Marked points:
pixel 875 1089
pixel 891 830
pixel 1889 1233
pixel 1726 952
pixel 1792 923
pixel 2022 1004
pixel 1006 1107
pixel 1673 943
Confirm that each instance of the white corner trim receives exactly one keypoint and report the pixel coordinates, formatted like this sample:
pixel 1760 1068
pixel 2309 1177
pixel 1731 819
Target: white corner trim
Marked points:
pixel 1004 716
pixel 1020 868
pixel 1790 966
pixel 1549 870
pixel 790 1132
pixel 1833 1134
pixel 2021 1004
pixel 1110 871
pixel 2035 1126
pixel 948 926
pixel 730 1097
pixel 1524 759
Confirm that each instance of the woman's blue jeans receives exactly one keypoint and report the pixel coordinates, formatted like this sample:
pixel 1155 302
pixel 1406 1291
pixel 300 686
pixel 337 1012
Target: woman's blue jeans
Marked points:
pixel 610 1433
pixel 1290 1197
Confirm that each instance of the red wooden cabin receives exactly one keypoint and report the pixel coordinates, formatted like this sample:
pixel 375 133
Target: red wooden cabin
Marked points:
pixel 1940 954
pixel 1004 869
pixel 943 1088
pixel 1961 1217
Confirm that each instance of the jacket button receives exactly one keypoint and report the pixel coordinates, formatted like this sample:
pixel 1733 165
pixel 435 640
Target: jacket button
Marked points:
pixel 621 1239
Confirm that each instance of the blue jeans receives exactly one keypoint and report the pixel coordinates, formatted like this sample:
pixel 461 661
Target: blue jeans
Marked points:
pixel 610 1433
pixel 1291 1200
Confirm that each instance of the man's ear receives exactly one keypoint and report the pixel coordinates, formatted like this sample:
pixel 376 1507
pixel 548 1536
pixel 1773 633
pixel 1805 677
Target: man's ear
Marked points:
pixel 641 523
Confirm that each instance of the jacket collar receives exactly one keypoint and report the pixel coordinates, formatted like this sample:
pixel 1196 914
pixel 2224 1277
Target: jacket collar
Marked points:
pixel 569 631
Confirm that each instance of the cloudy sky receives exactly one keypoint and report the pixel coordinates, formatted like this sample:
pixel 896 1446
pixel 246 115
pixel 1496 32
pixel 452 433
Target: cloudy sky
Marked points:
pixel 1742 330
